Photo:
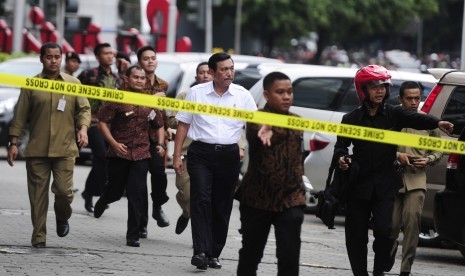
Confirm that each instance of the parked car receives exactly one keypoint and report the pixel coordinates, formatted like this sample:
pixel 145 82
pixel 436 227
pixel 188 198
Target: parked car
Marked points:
pixel 28 66
pixel 447 102
pixel 178 69
pixel 326 93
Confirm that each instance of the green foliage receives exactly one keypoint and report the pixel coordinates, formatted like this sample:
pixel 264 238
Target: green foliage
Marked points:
pixel 275 21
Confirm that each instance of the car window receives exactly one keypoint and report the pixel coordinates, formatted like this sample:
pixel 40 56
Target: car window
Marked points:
pixel 319 93
pixel 454 111
pixel 350 100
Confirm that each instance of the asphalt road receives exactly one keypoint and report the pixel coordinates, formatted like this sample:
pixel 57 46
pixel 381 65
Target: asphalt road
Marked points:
pixel 97 246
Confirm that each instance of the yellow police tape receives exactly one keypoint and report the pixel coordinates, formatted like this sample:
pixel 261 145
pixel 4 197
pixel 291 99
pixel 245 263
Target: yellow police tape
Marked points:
pixel 362 133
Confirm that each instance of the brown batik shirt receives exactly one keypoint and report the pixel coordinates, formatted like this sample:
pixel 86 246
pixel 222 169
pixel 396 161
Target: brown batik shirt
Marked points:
pixel 129 125
pixel 273 180
pixel 159 85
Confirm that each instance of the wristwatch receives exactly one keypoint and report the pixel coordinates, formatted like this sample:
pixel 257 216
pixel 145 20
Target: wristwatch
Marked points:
pixel 10 144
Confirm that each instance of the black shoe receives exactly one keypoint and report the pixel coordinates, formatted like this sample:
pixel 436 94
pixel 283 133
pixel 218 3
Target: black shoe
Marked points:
pixel 40 245
pixel 62 228
pixel 200 261
pixel 405 274
pixel 378 274
pixel 392 257
pixel 181 224
pixel 214 263
pixel 160 217
pixel 143 233
pixel 99 208
pixel 88 202
pixel 132 243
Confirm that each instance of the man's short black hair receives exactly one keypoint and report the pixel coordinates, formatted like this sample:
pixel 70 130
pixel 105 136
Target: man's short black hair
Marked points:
pixel 141 50
pixel 49 45
pixel 98 48
pixel 272 77
pixel 409 85
pixel 123 55
pixel 218 57
pixel 132 67
pixel 199 65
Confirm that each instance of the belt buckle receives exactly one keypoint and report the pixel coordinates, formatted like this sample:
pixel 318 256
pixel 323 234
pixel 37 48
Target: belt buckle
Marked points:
pixel 218 147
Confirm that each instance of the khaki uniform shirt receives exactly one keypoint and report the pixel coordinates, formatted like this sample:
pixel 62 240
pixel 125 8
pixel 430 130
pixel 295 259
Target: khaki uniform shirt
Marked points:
pixel 52 133
pixel 415 178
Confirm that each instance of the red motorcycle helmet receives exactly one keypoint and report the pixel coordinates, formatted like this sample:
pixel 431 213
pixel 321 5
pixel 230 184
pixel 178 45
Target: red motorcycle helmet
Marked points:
pixel 371 74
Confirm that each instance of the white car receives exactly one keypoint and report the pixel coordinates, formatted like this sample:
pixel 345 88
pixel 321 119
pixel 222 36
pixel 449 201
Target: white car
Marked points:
pixel 178 69
pixel 326 93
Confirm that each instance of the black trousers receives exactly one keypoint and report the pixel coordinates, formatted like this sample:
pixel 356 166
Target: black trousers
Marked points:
pixel 158 181
pixel 255 228
pixel 214 171
pixel 98 175
pixel 359 213
pixel 132 176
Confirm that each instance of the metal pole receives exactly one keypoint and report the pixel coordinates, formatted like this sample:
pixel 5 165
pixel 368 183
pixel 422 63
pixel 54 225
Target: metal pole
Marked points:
pixel 462 54
pixel 171 37
pixel 60 19
pixel 237 33
pixel 208 26
pixel 18 26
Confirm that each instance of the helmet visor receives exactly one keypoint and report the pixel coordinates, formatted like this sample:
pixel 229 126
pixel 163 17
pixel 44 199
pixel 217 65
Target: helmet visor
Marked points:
pixel 375 83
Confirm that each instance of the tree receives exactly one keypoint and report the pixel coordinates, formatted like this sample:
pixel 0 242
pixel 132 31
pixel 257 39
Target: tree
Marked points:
pixel 275 22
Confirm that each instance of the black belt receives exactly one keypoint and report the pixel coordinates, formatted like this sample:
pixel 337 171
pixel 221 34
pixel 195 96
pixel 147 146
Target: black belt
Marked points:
pixel 214 147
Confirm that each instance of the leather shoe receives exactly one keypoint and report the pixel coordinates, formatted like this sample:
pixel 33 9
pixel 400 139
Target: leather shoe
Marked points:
pixel 100 207
pixel 62 228
pixel 39 245
pixel 200 261
pixel 214 263
pixel 88 205
pixel 181 224
pixel 405 274
pixel 160 217
pixel 392 257
pixel 143 233
pixel 132 243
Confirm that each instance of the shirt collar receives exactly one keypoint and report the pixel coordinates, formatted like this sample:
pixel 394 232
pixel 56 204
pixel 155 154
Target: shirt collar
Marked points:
pixel 211 89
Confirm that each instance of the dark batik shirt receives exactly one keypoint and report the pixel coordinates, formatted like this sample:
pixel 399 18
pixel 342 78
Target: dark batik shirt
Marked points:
pixel 273 180
pixel 159 85
pixel 129 125
pixel 99 77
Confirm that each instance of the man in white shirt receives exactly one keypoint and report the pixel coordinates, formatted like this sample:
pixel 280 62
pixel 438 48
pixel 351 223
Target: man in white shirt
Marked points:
pixel 212 159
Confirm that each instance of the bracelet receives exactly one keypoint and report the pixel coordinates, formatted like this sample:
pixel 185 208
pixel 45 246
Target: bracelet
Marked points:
pixel 162 146
pixel 11 145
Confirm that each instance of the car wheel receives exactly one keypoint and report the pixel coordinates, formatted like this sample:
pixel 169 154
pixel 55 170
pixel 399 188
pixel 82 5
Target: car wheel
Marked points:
pixel 462 249
pixel 429 238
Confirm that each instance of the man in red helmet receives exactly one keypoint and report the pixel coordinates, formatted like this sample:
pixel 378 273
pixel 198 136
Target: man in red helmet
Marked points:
pixel 372 195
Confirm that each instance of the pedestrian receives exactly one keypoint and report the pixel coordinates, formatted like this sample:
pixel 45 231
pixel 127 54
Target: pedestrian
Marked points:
pixel 272 191
pixel 372 195
pixel 147 58
pixel 128 154
pixel 52 147
pixel 409 200
pixel 101 76
pixel 202 75
pixel 72 63
pixel 212 159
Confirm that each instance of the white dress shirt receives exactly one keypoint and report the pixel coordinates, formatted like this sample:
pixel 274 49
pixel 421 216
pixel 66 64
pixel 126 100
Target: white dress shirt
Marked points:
pixel 214 129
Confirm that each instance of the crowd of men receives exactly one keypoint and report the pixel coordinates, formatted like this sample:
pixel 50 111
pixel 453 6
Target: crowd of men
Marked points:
pixel 128 142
